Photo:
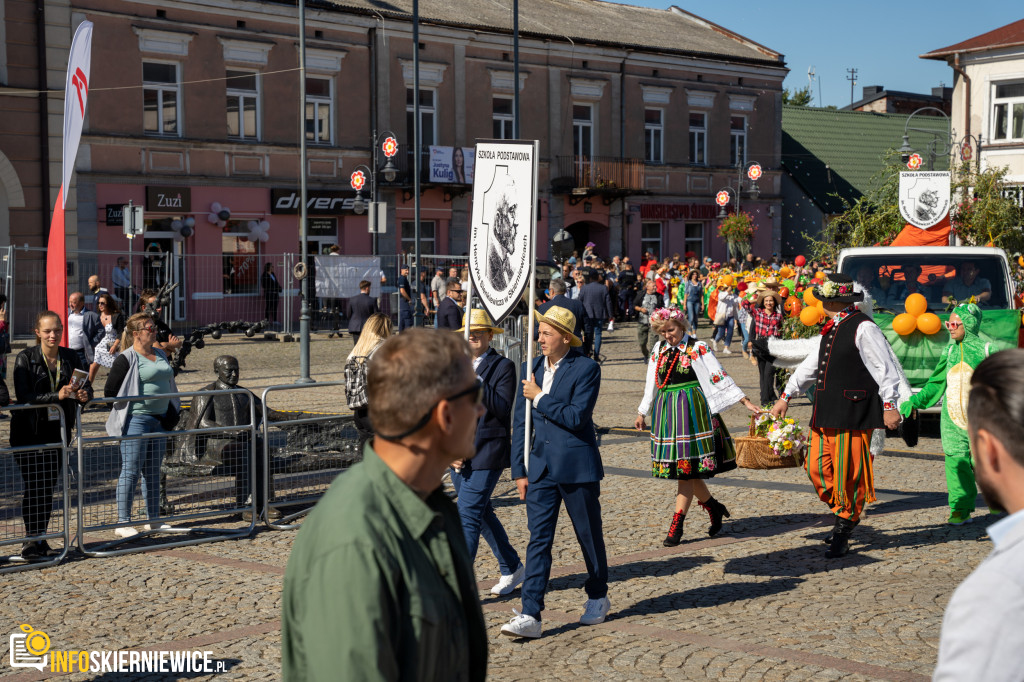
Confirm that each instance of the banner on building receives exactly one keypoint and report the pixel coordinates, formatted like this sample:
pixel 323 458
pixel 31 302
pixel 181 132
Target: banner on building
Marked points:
pixel 452 165
pixel 339 276
pixel 924 197
pixel 501 250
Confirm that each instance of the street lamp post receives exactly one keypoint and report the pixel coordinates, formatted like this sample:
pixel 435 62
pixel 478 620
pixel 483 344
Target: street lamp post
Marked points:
pixel 389 147
pixel 730 194
pixel 940 144
pixel 304 313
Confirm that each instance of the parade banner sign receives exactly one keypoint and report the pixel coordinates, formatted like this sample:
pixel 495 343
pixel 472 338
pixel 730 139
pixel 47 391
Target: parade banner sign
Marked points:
pixel 924 197
pixel 501 247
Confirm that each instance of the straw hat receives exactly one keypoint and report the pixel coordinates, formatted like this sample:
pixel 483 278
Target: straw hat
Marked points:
pixel 561 319
pixel 765 292
pixel 480 321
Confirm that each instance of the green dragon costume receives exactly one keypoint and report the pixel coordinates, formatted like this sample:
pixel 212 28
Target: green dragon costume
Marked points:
pixel 952 377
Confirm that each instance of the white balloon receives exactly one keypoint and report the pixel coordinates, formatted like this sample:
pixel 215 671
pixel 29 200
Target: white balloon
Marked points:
pixel 220 223
pixel 215 207
pixel 252 225
pixel 264 237
pixel 178 236
pixel 264 225
pixel 212 218
pixel 176 225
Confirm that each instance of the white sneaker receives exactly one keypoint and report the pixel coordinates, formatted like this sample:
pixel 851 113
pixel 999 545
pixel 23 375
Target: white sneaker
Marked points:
pixel 156 526
pixel 726 351
pixel 522 625
pixel 126 532
pixel 595 611
pixel 509 583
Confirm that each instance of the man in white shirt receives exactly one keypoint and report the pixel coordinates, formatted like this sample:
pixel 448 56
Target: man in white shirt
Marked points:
pixel 983 629
pixel 84 328
pixel 856 391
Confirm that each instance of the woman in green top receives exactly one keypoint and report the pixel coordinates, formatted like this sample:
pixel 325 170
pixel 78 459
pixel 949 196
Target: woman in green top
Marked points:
pixel 140 370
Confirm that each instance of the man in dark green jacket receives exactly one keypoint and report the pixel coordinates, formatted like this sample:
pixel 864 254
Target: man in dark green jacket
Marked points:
pixel 380 585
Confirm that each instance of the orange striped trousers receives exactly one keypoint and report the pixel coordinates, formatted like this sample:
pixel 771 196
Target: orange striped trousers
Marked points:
pixel 839 465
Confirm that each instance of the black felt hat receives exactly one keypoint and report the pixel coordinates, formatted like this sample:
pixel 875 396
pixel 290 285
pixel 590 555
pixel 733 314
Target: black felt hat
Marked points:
pixel 840 287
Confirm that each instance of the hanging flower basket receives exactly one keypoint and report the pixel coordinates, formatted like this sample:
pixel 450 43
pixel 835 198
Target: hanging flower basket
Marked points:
pixel 737 230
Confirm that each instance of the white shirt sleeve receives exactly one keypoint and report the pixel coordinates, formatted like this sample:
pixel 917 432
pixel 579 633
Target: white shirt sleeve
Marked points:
pixel 649 386
pixel 803 376
pixel 871 343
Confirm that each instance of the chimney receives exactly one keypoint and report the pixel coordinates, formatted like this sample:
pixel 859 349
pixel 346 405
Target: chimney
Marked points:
pixel 943 92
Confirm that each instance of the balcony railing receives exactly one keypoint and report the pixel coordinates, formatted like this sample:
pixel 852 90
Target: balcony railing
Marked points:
pixel 598 175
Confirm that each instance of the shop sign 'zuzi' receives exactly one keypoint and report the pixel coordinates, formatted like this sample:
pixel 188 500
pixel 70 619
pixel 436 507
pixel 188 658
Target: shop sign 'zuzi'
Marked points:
pixel 168 199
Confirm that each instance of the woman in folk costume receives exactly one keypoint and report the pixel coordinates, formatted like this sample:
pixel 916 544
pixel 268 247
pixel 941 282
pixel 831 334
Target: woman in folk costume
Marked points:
pixel 951 380
pixel 686 389
pixel 856 391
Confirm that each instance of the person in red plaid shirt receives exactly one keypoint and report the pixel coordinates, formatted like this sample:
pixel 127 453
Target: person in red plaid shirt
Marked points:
pixel 765 323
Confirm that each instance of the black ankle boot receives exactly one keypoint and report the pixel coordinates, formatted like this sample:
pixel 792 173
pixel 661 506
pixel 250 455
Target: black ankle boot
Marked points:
pixel 675 530
pixel 716 510
pixel 835 526
pixel 840 544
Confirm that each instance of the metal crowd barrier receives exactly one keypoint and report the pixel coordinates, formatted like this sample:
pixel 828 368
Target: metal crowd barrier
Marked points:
pixel 195 483
pixel 303 454
pixel 28 462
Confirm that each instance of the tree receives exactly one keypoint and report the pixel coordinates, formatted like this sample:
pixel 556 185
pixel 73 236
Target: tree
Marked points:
pixel 798 98
pixel 981 213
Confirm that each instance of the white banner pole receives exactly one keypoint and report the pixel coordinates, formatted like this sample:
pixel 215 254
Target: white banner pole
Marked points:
pixel 529 306
pixel 469 303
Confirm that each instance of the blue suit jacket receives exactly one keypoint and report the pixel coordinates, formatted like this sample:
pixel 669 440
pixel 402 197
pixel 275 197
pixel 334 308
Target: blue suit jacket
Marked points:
pixel 572 305
pixel 359 309
pixel 449 314
pixel 494 430
pixel 564 439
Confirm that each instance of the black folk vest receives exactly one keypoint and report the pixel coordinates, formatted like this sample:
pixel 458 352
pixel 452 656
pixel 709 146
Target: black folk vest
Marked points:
pixel 846 395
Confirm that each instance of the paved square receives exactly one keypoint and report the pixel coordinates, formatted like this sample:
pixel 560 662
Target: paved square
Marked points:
pixel 759 601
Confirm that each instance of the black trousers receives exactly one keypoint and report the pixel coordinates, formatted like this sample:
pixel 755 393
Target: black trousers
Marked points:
pixel 39 473
pixel 767 372
pixel 270 306
pixel 363 426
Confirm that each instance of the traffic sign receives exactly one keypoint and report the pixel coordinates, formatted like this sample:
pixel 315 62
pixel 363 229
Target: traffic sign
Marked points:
pixel 133 223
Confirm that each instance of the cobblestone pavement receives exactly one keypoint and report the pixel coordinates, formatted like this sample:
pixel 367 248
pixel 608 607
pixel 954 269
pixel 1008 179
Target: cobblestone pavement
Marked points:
pixel 759 601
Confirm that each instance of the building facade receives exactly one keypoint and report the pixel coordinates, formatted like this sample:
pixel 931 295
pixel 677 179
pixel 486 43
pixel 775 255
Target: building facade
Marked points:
pixel 988 98
pixel 642 116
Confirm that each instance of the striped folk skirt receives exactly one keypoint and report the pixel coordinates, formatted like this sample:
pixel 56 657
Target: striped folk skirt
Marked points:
pixel 683 434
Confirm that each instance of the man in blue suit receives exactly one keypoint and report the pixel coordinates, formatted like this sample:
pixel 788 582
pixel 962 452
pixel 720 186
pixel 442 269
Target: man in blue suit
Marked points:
pixel 564 466
pixel 359 309
pixel 474 479
pixel 557 288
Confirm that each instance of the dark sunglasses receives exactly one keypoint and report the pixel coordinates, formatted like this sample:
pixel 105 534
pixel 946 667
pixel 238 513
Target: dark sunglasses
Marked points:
pixel 478 398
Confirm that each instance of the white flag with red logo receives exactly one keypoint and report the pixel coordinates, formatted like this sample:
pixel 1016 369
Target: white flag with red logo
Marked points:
pixel 76 94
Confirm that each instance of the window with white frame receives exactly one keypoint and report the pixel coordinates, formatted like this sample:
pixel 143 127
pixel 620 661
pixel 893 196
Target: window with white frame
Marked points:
pixel 654 132
pixel 738 140
pixel 243 105
pixel 428 119
pixel 319 103
pixel 501 108
pixel 583 129
pixel 695 240
pixel 427 237
pixel 1008 112
pixel 160 98
pixel 698 138
pixel 650 237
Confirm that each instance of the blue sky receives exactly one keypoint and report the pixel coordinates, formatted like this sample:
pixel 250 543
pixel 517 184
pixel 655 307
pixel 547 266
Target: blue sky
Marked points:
pixel 881 39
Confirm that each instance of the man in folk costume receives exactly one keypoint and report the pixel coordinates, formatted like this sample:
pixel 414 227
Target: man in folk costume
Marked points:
pixel 951 380
pixel 856 391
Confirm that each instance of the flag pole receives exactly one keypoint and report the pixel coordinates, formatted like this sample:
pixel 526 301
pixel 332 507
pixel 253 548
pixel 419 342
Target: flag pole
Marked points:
pixel 529 306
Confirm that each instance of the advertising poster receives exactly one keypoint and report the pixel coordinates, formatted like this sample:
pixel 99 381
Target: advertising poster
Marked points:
pixel 339 276
pixel 501 251
pixel 451 165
